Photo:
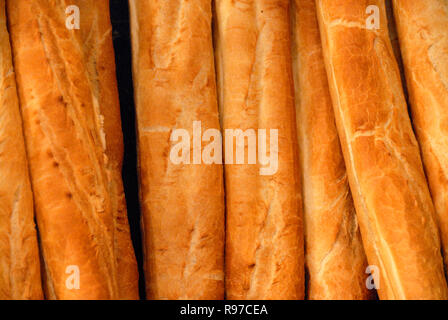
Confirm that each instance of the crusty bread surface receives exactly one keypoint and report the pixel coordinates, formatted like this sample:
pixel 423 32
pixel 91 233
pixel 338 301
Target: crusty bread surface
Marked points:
pixel 70 109
pixel 423 34
pixel 264 232
pixel 335 258
pixel 182 204
pixel 382 157
pixel 19 256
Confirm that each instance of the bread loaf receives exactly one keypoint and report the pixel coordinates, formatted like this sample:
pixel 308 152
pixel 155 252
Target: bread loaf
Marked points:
pixel 182 203
pixel 19 256
pixel 393 36
pixel 423 34
pixel 335 258
pixel 69 103
pixel 264 238
pixel 389 188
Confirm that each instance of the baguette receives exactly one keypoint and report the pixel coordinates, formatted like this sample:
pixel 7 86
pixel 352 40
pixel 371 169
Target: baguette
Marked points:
pixel 393 36
pixel 182 204
pixel 389 188
pixel 423 35
pixel 69 102
pixel 335 258
pixel 264 239
pixel 19 255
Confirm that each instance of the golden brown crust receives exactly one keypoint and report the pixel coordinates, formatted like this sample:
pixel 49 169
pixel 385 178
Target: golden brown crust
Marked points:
pixel 393 36
pixel 335 257
pixel 100 63
pixel 423 34
pixel 392 200
pixel 74 156
pixel 182 204
pixel 264 244
pixel 19 256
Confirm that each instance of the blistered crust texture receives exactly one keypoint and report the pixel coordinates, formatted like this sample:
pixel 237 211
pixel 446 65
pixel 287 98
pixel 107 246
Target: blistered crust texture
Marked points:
pixel 392 200
pixel 264 238
pixel 423 35
pixel 69 104
pixel 182 204
pixel 335 259
pixel 19 256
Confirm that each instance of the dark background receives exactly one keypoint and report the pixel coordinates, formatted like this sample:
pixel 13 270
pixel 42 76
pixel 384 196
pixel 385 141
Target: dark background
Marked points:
pixel 122 42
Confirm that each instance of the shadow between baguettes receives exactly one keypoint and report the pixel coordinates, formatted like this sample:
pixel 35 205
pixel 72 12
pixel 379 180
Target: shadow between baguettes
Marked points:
pixel 119 12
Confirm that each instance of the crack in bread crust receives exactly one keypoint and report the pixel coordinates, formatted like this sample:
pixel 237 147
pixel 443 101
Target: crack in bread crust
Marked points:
pixel 391 196
pixel 71 118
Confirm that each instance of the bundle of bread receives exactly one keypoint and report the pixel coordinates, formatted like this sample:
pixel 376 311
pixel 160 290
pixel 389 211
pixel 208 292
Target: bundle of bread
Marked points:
pixel 182 199
pixel 19 257
pixel 423 35
pixel 335 259
pixel 264 240
pixel 69 104
pixel 349 135
pixel 386 176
